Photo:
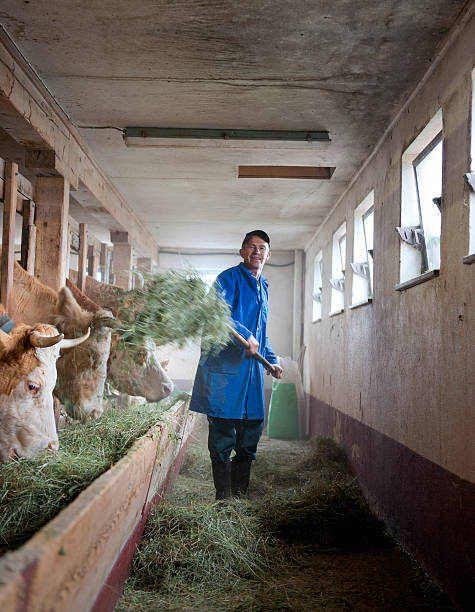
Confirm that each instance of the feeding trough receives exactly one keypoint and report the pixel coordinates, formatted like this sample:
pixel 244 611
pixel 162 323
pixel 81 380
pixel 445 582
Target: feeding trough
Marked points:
pixel 80 559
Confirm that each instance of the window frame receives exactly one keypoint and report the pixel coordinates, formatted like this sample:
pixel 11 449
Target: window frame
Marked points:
pixel 362 283
pixel 317 265
pixel 412 255
pixel 438 139
pixel 470 257
pixel 337 302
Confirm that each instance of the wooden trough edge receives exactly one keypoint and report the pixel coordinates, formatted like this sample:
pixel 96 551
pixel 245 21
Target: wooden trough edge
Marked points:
pixel 80 560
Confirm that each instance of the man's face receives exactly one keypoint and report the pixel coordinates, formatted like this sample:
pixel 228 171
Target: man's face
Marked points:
pixel 255 253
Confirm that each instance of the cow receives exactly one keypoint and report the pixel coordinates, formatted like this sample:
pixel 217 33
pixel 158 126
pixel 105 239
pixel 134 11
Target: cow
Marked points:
pixel 82 371
pixel 28 356
pixel 134 371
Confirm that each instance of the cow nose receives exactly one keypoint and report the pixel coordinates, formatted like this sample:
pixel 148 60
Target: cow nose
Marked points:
pixel 96 413
pixel 53 445
pixel 167 389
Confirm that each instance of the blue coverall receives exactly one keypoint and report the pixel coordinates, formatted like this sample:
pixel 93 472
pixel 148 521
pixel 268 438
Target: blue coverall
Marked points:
pixel 229 384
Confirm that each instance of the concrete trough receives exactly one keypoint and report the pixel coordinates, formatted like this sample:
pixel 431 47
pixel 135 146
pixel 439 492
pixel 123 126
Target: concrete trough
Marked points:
pixel 80 560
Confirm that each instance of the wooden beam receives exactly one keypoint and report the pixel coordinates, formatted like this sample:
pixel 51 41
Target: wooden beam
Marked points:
pixel 8 238
pixel 82 259
pixel 24 187
pixel 52 209
pixel 28 221
pixel 119 237
pixel 288 172
pixel 35 119
pixel 40 158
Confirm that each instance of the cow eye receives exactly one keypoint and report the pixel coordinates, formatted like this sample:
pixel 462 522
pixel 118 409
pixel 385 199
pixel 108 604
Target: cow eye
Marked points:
pixel 32 387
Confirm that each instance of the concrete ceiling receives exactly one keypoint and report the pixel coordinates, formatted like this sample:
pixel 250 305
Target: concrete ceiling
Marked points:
pixel 342 66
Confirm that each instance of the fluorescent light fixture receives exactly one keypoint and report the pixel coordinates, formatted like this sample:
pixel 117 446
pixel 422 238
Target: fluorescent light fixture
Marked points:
pixel 221 138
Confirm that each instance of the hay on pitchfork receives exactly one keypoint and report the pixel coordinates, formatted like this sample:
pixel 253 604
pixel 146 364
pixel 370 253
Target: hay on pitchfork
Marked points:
pixel 174 307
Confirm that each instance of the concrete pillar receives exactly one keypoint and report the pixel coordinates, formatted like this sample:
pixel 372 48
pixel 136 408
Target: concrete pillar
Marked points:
pixel 122 260
pixel 144 264
pixel 92 261
pixel 105 262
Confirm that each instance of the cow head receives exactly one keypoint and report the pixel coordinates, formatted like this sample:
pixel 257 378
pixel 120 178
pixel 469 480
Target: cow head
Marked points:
pixel 82 372
pixel 139 371
pixel 27 377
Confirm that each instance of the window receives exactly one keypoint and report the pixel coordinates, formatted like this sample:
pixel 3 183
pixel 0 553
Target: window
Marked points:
pixel 428 175
pixel 337 280
pixel 421 202
pixel 471 231
pixel 208 277
pixel 362 264
pixel 317 287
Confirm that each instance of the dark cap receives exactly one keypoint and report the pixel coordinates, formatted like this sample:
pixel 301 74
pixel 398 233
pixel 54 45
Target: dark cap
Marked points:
pixel 259 233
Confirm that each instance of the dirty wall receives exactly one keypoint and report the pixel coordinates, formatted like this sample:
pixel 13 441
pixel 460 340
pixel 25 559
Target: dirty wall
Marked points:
pixel 393 379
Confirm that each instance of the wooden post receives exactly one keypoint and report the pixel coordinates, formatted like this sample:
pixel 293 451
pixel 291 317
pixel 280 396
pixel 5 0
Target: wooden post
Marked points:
pixel 8 242
pixel 28 216
pixel 92 261
pixel 52 209
pixel 82 258
pixel 122 260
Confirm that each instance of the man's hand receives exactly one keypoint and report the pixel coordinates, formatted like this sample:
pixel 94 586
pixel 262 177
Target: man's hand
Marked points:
pixel 277 371
pixel 253 346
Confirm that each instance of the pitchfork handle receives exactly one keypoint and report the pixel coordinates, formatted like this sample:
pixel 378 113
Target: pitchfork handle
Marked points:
pixel 269 366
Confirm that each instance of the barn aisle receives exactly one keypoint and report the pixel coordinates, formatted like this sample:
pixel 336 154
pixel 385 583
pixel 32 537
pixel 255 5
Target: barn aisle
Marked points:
pixel 303 541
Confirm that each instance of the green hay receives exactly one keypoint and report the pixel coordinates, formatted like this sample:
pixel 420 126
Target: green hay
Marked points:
pixel 193 552
pixel 199 544
pixel 326 514
pixel 32 492
pixel 325 507
pixel 199 555
pixel 175 306
pixel 196 555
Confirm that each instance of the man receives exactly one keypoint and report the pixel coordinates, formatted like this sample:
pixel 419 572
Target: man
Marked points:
pixel 229 385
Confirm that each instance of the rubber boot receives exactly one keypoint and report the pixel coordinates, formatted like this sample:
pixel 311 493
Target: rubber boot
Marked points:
pixel 240 474
pixel 222 479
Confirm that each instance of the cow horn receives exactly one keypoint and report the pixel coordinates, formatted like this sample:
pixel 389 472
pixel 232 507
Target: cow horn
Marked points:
pixel 41 341
pixel 72 342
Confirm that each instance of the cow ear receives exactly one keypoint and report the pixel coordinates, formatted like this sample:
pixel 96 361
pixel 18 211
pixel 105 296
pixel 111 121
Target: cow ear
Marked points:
pixel 6 343
pixel 164 364
pixel 69 317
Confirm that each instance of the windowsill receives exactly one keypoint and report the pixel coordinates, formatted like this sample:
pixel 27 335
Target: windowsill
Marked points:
pixel 362 303
pixel 469 259
pixel 417 280
pixel 317 320
pixel 336 312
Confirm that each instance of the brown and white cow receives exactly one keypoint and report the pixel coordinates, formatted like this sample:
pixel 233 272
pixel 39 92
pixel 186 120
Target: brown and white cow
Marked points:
pixel 82 371
pixel 28 356
pixel 137 371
